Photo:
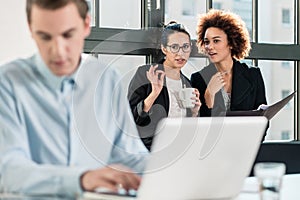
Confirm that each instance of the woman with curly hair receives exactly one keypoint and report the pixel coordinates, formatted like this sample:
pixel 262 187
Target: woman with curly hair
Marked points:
pixel 226 84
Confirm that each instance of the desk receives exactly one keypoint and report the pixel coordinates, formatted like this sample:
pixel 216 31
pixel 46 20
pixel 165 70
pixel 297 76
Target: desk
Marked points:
pixel 290 191
pixel 290 188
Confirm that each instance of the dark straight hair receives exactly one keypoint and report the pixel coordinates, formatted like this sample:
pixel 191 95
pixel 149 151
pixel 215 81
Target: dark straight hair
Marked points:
pixel 170 28
pixel 81 5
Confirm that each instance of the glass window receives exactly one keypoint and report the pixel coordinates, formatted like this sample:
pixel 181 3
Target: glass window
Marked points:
pixel 166 8
pixel 174 10
pixel 194 65
pixel 91 4
pixel 126 65
pixel 285 93
pixel 286 135
pixel 120 14
pixel 247 61
pixel 286 64
pixel 273 18
pixel 278 83
pixel 286 16
pixel 217 5
pixel 188 8
pixel 241 8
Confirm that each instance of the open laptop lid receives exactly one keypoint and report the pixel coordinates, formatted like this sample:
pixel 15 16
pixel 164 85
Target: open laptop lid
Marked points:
pixel 201 158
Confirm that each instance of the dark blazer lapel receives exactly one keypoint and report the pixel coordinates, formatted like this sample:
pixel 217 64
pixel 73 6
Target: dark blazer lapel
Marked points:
pixel 164 93
pixel 208 72
pixel 185 82
pixel 241 85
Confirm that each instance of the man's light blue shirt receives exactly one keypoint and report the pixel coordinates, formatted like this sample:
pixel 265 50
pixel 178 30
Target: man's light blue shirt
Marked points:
pixel 52 129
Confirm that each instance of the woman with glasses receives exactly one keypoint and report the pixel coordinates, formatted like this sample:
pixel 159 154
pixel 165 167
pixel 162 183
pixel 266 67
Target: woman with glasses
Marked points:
pixel 153 92
pixel 226 84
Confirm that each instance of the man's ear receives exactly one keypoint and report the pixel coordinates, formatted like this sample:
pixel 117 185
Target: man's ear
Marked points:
pixel 87 23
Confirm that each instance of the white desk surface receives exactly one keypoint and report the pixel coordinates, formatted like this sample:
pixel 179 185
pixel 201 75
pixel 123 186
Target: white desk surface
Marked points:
pixel 290 191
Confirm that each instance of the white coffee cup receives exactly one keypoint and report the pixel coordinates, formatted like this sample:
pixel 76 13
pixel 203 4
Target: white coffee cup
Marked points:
pixel 186 95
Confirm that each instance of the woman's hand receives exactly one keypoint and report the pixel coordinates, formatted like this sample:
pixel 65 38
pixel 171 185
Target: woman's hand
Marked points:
pixel 156 78
pixel 197 103
pixel 215 84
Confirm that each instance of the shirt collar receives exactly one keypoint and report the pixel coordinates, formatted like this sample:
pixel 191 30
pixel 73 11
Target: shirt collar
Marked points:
pixel 51 79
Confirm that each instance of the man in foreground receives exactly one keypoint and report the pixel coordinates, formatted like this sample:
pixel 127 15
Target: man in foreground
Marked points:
pixel 64 124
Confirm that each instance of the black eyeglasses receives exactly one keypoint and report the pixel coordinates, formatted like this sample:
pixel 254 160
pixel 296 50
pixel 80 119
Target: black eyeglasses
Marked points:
pixel 174 48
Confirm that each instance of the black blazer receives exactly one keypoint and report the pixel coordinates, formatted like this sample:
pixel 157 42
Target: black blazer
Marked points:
pixel 138 90
pixel 248 89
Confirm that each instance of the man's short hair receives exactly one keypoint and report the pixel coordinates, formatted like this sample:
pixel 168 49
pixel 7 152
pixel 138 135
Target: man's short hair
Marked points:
pixel 81 5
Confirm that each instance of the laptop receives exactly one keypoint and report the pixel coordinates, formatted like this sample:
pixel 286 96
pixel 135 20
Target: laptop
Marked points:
pixel 200 158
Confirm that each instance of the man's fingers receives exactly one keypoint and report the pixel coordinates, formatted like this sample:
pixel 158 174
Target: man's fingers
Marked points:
pixel 106 187
pixel 126 177
pixel 126 180
pixel 130 181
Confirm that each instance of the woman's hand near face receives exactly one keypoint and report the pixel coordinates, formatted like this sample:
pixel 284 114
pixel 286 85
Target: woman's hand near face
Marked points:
pixel 156 78
pixel 215 84
pixel 197 103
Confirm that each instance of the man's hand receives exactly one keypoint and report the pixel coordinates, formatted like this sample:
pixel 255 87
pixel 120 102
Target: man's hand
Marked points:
pixel 111 177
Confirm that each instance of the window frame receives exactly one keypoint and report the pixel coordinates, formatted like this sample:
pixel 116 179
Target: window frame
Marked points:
pixel 153 16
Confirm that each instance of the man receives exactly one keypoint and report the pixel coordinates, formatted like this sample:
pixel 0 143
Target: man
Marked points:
pixel 64 124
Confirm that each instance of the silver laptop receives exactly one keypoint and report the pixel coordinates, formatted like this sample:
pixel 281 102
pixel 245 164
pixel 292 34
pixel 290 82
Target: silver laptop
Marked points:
pixel 201 158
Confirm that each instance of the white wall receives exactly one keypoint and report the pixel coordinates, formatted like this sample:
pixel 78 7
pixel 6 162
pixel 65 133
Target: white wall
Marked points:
pixel 15 39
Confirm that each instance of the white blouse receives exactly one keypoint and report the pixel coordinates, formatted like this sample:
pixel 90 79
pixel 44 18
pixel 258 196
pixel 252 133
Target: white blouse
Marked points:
pixel 175 105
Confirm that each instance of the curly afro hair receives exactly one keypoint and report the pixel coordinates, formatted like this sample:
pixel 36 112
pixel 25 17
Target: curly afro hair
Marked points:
pixel 233 26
